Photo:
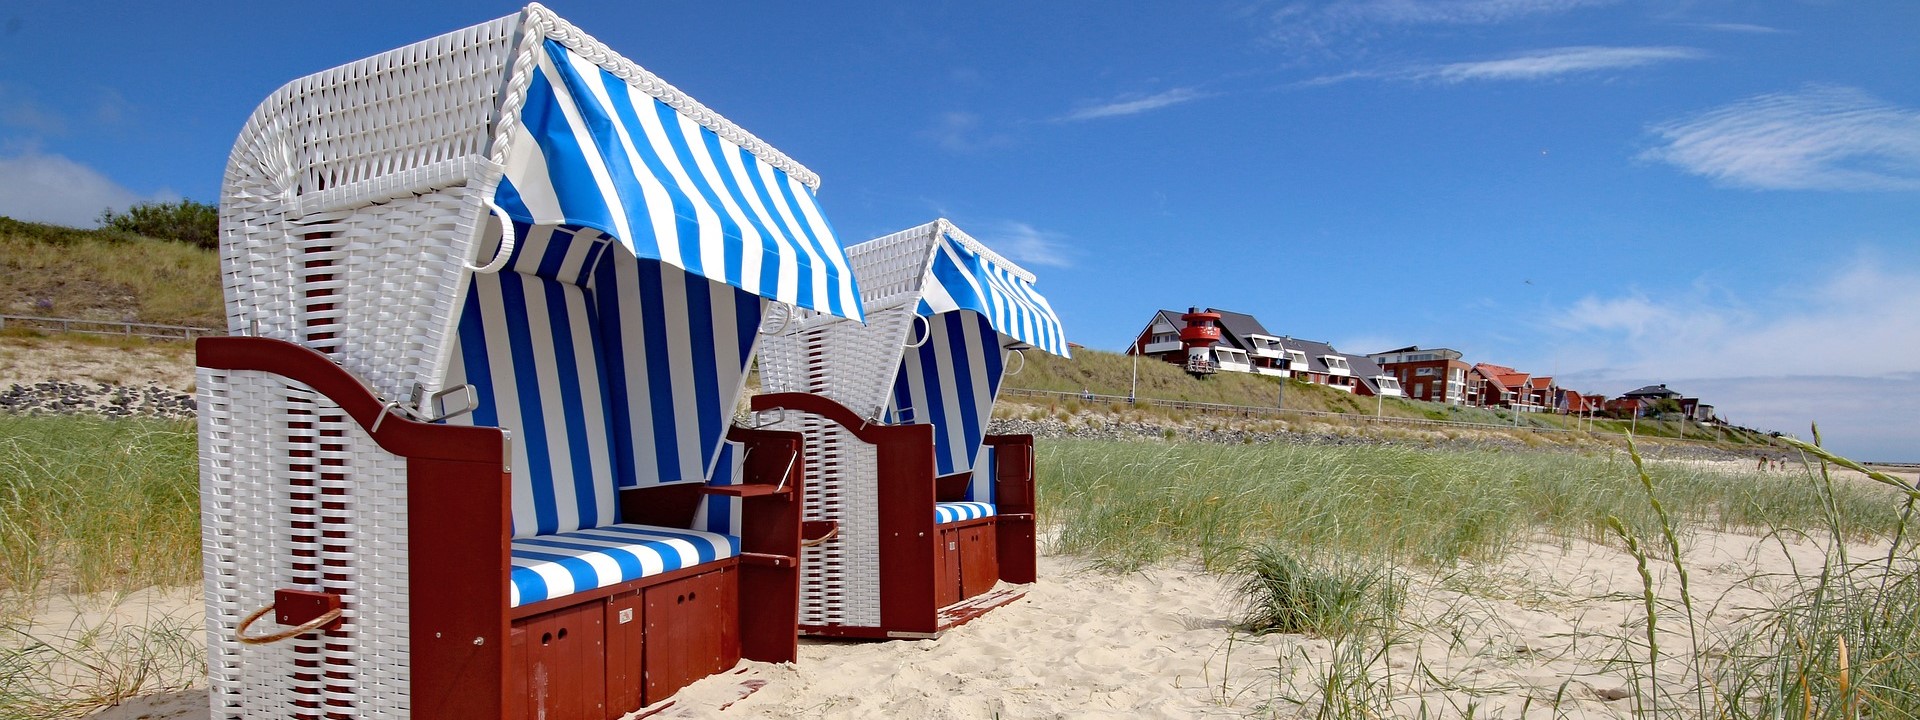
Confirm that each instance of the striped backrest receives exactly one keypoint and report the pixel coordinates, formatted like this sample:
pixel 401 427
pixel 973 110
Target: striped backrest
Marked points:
pixel 676 347
pixel 980 488
pixel 950 382
pixel 526 344
pixel 610 372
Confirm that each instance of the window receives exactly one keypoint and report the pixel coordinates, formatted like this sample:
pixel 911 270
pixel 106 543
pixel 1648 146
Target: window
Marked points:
pixel 1424 372
pixel 1420 391
pixel 1454 375
pixel 1296 359
pixel 1334 362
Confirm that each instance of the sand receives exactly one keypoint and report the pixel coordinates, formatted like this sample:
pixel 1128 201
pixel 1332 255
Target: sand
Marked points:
pixel 1538 629
pixel 30 360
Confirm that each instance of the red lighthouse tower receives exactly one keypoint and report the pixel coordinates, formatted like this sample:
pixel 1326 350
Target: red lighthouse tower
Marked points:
pixel 1198 338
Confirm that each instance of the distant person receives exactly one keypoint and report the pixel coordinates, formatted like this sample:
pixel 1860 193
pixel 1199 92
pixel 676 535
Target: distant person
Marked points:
pixel 1761 464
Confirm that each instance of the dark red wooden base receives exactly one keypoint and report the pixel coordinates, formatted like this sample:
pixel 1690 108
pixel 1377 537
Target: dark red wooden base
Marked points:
pixel 934 577
pixel 603 658
pixel 472 657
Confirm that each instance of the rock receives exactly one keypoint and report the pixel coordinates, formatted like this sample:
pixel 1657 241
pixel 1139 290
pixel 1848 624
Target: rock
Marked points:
pixel 1613 693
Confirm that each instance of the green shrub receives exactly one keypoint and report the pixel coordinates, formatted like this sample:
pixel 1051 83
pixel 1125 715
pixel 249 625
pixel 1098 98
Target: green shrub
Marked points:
pixel 194 223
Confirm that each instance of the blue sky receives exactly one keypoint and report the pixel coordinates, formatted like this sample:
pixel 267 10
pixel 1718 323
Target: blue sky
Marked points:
pixel 1721 196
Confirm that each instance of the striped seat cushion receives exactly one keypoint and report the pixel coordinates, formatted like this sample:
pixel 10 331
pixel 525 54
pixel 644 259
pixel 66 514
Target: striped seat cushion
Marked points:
pixel 949 512
pixel 562 564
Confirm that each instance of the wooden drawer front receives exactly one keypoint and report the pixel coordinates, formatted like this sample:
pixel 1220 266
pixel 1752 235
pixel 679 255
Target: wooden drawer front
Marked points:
pixel 564 667
pixel 692 630
pixel 979 560
pixel 626 624
pixel 946 567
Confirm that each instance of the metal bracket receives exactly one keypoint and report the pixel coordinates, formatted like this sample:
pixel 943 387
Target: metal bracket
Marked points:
pixel 473 402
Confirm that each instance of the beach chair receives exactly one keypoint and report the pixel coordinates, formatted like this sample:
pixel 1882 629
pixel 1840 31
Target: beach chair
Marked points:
pixel 468 451
pixel 914 512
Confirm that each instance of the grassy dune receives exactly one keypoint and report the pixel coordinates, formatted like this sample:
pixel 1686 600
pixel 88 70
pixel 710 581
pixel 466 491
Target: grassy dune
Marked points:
pixel 56 271
pixel 1107 373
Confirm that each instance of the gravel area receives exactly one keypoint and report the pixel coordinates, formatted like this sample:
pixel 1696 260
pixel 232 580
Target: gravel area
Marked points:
pixel 68 398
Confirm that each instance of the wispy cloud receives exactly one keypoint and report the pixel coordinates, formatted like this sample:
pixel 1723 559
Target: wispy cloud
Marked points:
pixel 1029 245
pixel 20 111
pixel 1302 25
pixel 1816 138
pixel 1555 62
pixel 1534 65
pixel 964 132
pixel 1748 28
pixel 51 188
pixel 1134 104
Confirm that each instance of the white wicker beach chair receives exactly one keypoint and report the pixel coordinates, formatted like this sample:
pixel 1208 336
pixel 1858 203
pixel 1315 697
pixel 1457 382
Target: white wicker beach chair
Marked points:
pixel 927 511
pixel 492 298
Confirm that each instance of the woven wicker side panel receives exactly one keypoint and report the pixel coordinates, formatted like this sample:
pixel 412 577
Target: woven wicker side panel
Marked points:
pixel 374 288
pixel 840 579
pixel 895 264
pixel 844 361
pixel 295 496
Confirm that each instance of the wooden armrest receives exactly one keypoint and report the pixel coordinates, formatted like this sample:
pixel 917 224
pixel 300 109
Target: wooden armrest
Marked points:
pixel 748 558
pixel 1015 516
pixel 745 490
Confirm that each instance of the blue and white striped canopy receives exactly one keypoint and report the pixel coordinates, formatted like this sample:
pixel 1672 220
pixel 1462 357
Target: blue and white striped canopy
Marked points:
pixel 591 151
pixel 960 279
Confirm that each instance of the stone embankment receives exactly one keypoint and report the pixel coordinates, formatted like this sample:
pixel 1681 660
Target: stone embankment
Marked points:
pixel 1055 428
pixel 72 398
pixel 154 401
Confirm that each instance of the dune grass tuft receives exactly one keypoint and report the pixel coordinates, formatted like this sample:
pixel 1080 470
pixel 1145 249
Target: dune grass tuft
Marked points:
pixel 1288 592
pixel 91 504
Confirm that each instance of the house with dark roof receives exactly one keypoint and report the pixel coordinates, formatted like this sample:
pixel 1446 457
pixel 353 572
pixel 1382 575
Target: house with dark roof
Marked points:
pixel 1245 345
pixel 1647 400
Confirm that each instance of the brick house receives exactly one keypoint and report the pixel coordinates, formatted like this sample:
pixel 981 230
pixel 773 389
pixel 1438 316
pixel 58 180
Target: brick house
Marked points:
pixel 1435 375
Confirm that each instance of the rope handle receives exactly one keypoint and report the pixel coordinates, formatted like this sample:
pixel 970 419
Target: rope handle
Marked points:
pixel 301 629
pixel 831 534
pixel 507 241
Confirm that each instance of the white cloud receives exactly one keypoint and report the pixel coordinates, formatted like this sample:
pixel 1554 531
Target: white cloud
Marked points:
pixel 1816 138
pixel 1747 28
pixel 1028 245
pixel 1553 62
pixel 53 189
pixel 1535 65
pixel 20 111
pixel 1134 105
pixel 1833 348
pixel 963 132
pixel 1300 25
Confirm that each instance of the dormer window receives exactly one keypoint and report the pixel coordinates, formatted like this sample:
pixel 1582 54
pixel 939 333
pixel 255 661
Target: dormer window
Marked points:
pixel 1336 364
pixel 1296 360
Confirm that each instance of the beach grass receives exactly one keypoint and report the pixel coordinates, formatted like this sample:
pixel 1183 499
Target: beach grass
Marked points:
pixel 1327 525
pixel 90 504
pixel 1126 505
pixel 73 671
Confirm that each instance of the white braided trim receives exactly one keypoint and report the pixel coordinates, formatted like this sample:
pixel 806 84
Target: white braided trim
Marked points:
pixel 541 23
